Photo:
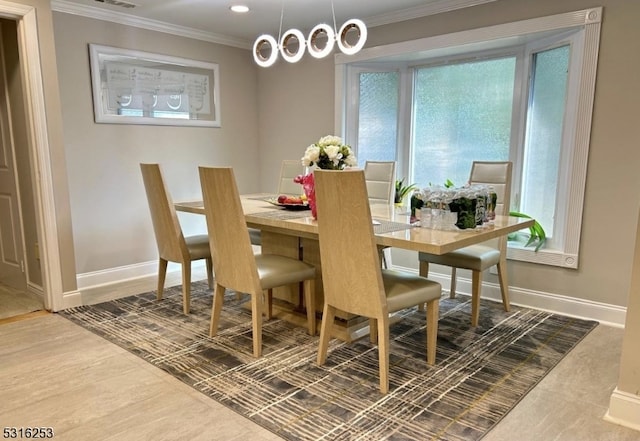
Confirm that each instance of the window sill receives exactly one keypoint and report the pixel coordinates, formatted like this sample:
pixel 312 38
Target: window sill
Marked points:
pixel 543 256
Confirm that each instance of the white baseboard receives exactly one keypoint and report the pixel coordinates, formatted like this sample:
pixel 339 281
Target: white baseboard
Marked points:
pixel 113 283
pixel 624 409
pixel 604 313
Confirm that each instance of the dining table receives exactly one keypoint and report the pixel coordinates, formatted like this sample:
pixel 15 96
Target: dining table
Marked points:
pixel 292 231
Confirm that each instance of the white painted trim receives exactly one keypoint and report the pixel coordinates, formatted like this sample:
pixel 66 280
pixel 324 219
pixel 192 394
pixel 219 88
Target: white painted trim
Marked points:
pixel 29 47
pixel 114 283
pixel 611 315
pixel 145 23
pixel 45 201
pixel 431 8
pixel 624 409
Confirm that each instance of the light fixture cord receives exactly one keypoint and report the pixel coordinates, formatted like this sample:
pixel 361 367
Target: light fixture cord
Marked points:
pixel 333 12
pixel 281 19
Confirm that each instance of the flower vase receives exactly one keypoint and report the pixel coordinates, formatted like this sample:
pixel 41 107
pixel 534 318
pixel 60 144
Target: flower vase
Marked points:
pixel 309 187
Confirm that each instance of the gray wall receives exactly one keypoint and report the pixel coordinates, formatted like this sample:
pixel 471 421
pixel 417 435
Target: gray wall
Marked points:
pixel 111 223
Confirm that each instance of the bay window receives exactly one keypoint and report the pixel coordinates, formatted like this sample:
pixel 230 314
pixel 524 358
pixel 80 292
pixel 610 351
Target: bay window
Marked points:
pixel 521 92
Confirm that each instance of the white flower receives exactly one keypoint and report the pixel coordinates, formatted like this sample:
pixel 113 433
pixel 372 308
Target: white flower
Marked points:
pixel 330 140
pixel 311 155
pixel 329 153
pixel 333 152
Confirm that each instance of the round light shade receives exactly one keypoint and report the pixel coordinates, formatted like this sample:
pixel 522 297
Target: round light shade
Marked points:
pixel 292 45
pixel 354 27
pixel 315 38
pixel 260 50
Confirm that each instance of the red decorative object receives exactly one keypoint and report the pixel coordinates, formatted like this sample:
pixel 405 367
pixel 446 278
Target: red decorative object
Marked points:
pixel 309 186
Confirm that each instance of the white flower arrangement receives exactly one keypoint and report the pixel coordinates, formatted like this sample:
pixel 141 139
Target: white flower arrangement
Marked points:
pixel 329 153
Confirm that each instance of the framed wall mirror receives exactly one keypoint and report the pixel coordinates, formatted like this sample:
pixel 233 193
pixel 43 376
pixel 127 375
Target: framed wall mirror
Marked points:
pixel 134 87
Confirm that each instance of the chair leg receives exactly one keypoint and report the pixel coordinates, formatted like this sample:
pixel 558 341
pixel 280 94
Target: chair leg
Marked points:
pixel 476 283
pixel 186 286
pixel 452 288
pixel 432 330
pixel 256 318
pixel 209 264
pixel 424 272
pixel 373 330
pixel 268 306
pixel 504 285
pixel 218 299
pixel 383 354
pixel 162 275
pixel 310 303
pixel 328 317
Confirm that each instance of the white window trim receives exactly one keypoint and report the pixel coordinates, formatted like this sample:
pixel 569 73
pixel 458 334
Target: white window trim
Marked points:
pixel 502 35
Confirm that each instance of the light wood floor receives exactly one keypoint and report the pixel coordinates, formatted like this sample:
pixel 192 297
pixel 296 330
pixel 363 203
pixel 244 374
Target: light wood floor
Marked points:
pixel 55 374
pixel 15 302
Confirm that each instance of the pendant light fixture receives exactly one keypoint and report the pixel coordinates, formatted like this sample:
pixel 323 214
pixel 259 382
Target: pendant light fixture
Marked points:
pixel 292 44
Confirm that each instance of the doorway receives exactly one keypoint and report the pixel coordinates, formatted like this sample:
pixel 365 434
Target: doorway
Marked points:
pixel 45 224
pixel 20 275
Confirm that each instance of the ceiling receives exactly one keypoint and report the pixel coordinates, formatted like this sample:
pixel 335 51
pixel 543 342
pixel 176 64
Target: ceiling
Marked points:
pixel 213 19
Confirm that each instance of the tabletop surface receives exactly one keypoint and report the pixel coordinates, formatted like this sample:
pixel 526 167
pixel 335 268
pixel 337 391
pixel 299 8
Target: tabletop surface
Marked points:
pixel 259 213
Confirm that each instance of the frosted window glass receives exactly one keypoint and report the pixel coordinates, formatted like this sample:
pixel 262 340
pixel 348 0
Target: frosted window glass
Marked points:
pixel 461 114
pixel 378 117
pixel 544 134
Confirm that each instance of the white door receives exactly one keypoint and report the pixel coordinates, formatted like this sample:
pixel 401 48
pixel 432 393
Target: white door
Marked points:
pixel 11 249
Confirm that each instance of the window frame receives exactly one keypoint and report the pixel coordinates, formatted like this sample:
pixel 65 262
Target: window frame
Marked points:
pixel 565 253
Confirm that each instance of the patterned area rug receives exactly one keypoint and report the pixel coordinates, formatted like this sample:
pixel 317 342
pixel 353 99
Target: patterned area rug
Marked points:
pixel 479 376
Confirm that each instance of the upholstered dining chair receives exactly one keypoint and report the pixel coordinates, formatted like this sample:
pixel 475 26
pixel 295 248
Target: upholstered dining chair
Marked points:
pixel 289 169
pixel 380 177
pixel 235 265
pixel 173 246
pixel 479 258
pixel 352 277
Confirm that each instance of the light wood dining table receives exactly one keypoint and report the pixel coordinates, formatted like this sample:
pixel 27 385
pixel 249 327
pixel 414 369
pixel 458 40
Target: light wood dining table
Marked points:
pixel 294 233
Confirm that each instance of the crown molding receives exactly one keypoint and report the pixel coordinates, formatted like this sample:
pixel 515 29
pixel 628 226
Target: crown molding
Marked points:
pixel 431 8
pixel 144 23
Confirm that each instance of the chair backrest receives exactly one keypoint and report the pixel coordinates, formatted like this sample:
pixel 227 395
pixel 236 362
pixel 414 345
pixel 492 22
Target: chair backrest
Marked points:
pixel 290 169
pixel 351 268
pixel 380 178
pixel 498 175
pixel 166 227
pixel 233 261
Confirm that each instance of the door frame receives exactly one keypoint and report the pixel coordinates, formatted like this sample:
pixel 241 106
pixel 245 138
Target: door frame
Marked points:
pixel 39 150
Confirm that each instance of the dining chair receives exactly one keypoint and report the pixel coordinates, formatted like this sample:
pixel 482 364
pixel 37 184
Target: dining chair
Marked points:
pixel 479 258
pixel 289 169
pixel 380 178
pixel 235 265
pixel 353 279
pixel 173 246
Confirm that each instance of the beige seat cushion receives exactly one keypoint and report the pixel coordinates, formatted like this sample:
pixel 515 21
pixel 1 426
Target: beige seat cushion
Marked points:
pixel 474 257
pixel 276 270
pixel 198 246
pixel 405 290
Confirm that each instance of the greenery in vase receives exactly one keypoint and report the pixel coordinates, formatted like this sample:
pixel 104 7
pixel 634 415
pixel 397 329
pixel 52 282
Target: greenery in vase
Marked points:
pixel 403 190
